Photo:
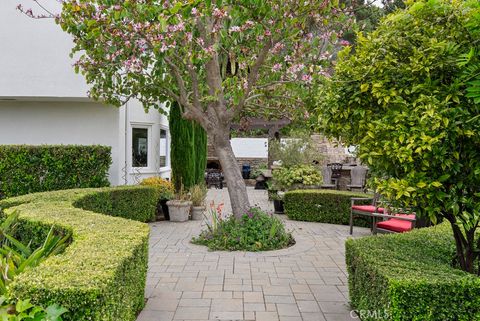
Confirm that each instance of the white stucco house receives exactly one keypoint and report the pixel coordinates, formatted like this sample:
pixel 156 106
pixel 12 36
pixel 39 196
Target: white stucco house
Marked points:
pixel 43 101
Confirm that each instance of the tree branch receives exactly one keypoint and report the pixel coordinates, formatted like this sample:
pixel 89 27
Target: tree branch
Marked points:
pixel 253 76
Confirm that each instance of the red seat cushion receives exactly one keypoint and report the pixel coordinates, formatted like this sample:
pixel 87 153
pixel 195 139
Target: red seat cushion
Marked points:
pixel 367 208
pixel 412 216
pixel 396 225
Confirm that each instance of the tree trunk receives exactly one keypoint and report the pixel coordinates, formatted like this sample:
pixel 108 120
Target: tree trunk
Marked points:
pixel 465 246
pixel 237 189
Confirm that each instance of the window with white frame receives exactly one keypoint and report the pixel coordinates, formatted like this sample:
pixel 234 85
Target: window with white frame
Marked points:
pixel 139 147
pixel 163 147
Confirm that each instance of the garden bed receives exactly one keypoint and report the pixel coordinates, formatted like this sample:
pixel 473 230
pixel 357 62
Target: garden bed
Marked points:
pixel 410 276
pixel 102 274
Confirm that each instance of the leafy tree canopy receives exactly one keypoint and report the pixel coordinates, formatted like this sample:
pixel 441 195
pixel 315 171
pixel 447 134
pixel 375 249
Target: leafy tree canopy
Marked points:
pixel 407 97
pixel 264 52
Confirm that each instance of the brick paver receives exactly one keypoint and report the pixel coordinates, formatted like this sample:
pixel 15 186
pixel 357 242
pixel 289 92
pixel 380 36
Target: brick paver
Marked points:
pixel 307 281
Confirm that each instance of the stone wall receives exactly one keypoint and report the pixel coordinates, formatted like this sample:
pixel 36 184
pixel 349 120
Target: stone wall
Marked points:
pixel 333 153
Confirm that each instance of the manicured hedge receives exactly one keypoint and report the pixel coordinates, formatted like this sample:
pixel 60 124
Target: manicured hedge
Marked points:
pixel 102 273
pixel 138 204
pixel 325 206
pixel 29 169
pixel 410 277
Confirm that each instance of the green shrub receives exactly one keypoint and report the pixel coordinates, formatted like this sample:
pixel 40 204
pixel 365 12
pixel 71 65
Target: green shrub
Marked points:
pixel 306 175
pixel 325 206
pixel 409 276
pixel 25 311
pixel 29 169
pixel 166 188
pixel 139 204
pixel 255 231
pixel 102 274
pixel 17 256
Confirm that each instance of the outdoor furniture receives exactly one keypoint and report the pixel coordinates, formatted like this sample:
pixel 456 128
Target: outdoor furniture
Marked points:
pixel 382 220
pixel 358 178
pixel 327 178
pixel 214 177
pixel 262 179
pixel 365 210
pixel 336 172
pixel 393 223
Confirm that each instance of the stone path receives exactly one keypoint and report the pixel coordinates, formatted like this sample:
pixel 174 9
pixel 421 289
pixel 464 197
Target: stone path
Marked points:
pixel 306 282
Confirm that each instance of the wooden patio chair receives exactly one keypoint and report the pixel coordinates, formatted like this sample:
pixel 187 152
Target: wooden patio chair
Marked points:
pixel 336 172
pixel 364 210
pixel 393 223
pixel 358 178
pixel 327 178
pixel 384 219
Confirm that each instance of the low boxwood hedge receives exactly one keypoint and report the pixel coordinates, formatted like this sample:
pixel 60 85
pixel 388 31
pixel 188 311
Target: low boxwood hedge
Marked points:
pixel 325 206
pixel 28 169
pixel 410 277
pixel 102 274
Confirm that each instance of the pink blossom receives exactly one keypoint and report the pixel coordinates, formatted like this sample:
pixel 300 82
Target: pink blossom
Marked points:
pixel 277 67
pixel 307 78
pixel 235 29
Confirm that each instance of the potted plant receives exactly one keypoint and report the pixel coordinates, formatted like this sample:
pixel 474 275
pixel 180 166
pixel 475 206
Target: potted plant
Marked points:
pixel 179 207
pixel 275 194
pixel 198 193
pixel 166 190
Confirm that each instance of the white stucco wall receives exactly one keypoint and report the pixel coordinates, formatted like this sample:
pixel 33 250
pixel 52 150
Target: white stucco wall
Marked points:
pixel 35 55
pixel 250 147
pixel 43 101
pixel 37 123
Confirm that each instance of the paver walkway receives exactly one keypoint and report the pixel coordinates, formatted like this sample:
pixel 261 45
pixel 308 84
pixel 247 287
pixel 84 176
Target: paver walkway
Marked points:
pixel 307 281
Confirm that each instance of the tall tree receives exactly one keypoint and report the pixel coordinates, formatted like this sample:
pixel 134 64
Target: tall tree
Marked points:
pixel 188 150
pixel 407 97
pixel 219 59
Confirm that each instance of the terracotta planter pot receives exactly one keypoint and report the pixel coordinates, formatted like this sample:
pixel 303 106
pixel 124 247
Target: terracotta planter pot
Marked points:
pixel 198 212
pixel 179 210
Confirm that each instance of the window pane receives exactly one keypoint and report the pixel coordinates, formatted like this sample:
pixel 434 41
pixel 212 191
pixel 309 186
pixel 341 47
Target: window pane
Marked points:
pixel 163 148
pixel 140 147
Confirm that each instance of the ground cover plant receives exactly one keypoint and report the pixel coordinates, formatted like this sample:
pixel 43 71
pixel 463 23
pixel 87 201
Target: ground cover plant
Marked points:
pixel 254 231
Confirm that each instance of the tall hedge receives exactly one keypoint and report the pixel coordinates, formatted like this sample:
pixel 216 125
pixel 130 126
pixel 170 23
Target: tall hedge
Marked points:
pixel 189 150
pixel 28 169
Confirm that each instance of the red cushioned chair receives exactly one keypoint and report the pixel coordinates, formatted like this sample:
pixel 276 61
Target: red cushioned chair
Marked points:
pixel 364 210
pixel 382 220
pixel 394 223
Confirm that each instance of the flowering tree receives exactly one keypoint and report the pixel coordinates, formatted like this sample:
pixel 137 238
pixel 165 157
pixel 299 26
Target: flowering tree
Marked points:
pixel 221 60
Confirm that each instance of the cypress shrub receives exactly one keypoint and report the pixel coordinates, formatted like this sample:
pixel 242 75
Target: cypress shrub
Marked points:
pixel 188 151
pixel 200 153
